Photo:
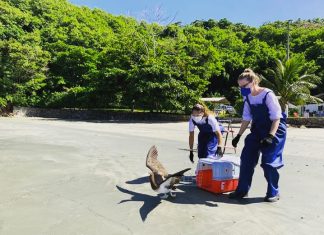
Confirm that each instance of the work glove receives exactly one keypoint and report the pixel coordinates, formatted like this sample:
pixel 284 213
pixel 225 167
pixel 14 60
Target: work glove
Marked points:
pixel 236 140
pixel 219 151
pixel 267 140
pixel 191 156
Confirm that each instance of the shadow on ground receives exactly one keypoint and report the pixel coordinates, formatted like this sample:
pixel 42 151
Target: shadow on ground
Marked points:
pixel 186 194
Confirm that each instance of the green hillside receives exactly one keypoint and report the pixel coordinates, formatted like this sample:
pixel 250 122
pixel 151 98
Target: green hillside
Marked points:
pixel 55 54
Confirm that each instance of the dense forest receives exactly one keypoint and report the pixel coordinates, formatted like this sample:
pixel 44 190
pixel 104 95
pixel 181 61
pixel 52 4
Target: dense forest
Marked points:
pixel 55 54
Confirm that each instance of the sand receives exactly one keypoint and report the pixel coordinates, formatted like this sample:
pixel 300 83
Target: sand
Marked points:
pixel 73 177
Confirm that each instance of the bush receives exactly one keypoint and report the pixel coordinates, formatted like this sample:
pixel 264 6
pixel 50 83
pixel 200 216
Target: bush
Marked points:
pixel 3 102
pixel 239 105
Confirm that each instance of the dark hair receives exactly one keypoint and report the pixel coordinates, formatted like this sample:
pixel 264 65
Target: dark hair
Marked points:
pixel 199 108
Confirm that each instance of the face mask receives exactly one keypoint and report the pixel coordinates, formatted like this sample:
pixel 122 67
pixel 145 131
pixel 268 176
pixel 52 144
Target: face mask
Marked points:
pixel 245 91
pixel 196 118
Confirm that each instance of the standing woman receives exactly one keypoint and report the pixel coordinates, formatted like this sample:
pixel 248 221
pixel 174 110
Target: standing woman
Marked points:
pixel 209 137
pixel 268 136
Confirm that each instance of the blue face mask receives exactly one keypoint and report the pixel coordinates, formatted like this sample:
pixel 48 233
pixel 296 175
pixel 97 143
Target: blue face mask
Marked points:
pixel 245 91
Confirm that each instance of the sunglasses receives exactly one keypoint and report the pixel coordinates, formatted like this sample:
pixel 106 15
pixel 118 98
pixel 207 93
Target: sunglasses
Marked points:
pixel 244 86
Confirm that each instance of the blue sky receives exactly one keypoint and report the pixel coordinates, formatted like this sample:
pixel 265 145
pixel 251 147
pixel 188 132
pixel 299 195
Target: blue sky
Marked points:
pixel 250 12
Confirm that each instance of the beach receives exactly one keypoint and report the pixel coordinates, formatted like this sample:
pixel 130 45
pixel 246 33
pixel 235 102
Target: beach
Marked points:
pixel 89 177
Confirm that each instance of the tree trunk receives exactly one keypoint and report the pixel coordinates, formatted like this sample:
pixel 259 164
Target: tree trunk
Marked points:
pixel 284 108
pixel 287 110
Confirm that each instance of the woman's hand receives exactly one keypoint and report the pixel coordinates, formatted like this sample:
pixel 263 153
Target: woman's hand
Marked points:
pixel 191 142
pixel 219 151
pixel 236 140
pixel 267 140
pixel 191 156
pixel 243 127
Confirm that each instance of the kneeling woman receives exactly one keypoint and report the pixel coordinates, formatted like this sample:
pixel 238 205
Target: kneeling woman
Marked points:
pixel 209 137
pixel 268 136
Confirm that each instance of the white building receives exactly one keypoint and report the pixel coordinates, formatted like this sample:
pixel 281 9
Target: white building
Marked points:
pixel 314 109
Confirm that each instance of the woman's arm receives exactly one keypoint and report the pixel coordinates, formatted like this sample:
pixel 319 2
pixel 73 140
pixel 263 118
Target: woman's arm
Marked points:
pixel 214 123
pixel 243 127
pixel 219 138
pixel 274 127
pixel 246 117
pixel 191 139
pixel 275 112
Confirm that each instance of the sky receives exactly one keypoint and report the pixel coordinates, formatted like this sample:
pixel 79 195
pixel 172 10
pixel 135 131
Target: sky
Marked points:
pixel 249 12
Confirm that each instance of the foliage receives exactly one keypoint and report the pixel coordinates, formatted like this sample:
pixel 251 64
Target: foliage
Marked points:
pixel 291 82
pixel 55 54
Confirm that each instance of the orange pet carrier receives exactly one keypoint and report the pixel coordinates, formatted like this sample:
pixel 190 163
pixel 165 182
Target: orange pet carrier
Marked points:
pixel 218 176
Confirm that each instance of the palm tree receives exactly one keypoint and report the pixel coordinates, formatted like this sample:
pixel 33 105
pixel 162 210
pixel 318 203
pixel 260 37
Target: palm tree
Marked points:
pixel 288 82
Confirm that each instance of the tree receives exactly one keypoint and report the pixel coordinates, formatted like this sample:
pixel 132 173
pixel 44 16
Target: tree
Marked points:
pixel 56 54
pixel 22 72
pixel 290 80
